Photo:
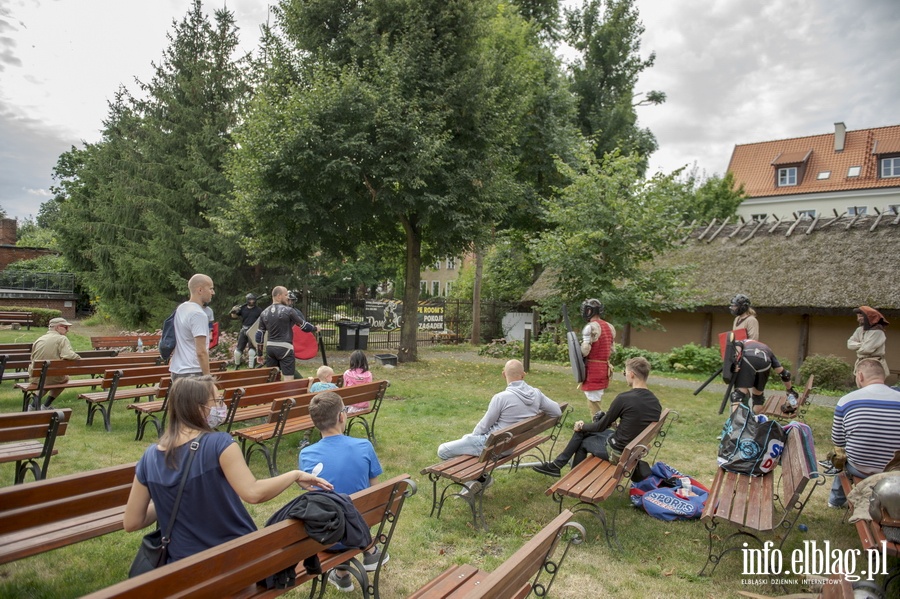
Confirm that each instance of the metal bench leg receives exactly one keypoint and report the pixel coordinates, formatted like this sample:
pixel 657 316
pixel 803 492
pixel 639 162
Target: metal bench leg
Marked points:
pixel 725 544
pixel 22 468
pixel 609 524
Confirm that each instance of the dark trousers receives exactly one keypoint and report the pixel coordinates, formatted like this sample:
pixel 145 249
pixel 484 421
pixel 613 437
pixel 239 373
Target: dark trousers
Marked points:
pixel 582 444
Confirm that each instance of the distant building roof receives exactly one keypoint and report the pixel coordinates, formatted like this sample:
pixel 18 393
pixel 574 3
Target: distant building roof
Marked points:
pixel 827 162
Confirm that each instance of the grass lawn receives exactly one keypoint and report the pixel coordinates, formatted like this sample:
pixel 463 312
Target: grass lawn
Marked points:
pixel 439 398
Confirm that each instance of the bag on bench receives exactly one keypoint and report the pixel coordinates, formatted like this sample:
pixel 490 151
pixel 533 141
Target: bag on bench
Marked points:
pixel 751 444
pixel 167 337
pixel 667 494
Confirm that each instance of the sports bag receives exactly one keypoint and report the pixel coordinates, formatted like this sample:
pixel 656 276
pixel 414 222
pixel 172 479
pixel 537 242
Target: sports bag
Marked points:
pixel 751 443
pixel 667 494
pixel 167 338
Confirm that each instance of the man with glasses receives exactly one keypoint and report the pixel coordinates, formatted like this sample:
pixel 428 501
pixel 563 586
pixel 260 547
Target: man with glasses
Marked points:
pixel 53 345
pixel 634 410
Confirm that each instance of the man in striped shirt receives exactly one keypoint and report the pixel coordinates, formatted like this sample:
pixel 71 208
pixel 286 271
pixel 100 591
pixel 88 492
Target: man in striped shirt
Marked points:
pixel 865 424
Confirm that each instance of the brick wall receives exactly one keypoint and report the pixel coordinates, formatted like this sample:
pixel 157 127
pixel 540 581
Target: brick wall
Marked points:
pixel 68 311
pixel 8 231
pixel 10 254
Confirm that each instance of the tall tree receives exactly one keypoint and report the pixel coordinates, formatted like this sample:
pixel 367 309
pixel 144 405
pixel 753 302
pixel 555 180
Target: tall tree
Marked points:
pixel 607 36
pixel 610 224
pixel 135 207
pixel 393 121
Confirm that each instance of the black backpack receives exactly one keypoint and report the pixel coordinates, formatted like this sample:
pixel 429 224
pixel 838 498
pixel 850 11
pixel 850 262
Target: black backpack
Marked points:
pixel 167 339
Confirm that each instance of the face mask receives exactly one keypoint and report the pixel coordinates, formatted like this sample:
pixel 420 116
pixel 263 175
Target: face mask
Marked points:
pixel 216 416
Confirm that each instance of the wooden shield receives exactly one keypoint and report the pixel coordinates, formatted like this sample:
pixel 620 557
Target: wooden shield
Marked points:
pixel 251 335
pixel 575 357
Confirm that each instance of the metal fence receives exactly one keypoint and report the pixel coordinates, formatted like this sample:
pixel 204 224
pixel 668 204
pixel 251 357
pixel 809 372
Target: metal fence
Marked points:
pixel 447 320
pixel 25 280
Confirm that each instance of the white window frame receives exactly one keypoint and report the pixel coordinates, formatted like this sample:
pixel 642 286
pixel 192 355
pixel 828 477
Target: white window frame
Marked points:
pixel 854 171
pixel 787 176
pixel 758 217
pixel 857 210
pixel 806 214
pixel 423 287
pixel 823 175
pixel 448 287
pixel 890 167
pixel 893 209
pixel 435 288
pixel 437 265
pixel 451 263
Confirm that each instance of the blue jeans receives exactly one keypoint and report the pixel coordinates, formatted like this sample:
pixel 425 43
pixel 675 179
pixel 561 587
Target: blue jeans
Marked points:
pixel 468 445
pixel 837 496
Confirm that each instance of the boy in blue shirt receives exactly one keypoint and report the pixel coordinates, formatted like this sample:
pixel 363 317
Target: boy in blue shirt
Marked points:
pixel 348 463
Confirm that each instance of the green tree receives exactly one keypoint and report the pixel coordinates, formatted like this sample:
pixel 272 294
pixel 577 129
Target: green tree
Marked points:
pixel 607 36
pixel 716 197
pixel 135 208
pixel 610 224
pixel 393 122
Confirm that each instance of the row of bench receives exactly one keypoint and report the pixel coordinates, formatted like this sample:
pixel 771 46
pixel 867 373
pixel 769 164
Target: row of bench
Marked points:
pixel 25 319
pixel 45 515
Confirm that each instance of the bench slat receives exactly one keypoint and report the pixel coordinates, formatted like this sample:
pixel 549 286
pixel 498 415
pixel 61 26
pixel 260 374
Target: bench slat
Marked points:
pixel 449 581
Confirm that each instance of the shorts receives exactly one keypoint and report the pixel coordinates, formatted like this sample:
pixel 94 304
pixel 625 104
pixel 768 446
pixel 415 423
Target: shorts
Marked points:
pixel 753 375
pixel 596 395
pixel 281 357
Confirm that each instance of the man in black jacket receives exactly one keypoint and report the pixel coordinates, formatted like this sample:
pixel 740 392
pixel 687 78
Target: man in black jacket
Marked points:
pixel 278 320
pixel 634 410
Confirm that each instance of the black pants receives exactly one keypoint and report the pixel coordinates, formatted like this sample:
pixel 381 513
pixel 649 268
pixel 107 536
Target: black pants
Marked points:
pixel 582 444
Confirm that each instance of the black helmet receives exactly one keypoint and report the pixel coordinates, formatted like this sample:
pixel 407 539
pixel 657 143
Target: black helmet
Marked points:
pixel 250 297
pixel 591 308
pixel 739 304
pixel 292 296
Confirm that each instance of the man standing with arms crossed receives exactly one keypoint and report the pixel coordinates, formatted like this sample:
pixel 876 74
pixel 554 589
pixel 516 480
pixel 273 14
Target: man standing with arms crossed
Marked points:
pixel 191 354
pixel 278 320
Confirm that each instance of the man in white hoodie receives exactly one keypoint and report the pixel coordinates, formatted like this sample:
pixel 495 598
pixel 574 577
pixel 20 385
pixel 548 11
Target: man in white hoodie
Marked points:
pixel 516 403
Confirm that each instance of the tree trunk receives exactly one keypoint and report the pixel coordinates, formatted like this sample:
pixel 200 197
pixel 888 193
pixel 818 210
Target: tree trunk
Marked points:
pixel 476 298
pixel 409 328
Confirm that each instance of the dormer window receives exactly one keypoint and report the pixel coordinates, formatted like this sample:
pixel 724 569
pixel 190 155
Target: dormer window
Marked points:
pixel 890 167
pixel 787 176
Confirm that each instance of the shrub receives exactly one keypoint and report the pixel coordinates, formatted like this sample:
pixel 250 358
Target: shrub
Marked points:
pixel 621 354
pixel 550 352
pixel 831 372
pixel 512 349
pixel 694 358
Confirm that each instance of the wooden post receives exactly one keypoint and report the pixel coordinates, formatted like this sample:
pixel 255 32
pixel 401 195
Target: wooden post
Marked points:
pixel 626 335
pixel 803 345
pixel 707 329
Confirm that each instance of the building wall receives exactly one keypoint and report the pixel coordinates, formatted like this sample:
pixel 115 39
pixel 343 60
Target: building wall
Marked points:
pixel 63 304
pixel 823 203
pixel 782 332
pixel 12 253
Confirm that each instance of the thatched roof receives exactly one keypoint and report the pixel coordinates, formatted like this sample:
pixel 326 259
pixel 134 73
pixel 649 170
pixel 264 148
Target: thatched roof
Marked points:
pixel 826 265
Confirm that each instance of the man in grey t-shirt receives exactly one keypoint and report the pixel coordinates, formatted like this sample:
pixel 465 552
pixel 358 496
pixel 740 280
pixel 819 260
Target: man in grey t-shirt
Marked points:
pixel 191 354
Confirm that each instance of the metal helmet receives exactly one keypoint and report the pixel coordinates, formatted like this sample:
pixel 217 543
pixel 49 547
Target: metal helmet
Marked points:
pixel 740 303
pixel 250 297
pixel 886 496
pixel 591 308
pixel 292 296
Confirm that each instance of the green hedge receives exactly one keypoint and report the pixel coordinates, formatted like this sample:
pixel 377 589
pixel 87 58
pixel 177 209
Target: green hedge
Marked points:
pixel 41 316
pixel 831 372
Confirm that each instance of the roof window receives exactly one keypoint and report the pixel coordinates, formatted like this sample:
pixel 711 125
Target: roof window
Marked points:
pixel 854 171
pixel 823 175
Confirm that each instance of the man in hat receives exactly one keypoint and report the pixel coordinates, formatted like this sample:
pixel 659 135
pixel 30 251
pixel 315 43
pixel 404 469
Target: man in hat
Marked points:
pixel 53 345
pixel 868 341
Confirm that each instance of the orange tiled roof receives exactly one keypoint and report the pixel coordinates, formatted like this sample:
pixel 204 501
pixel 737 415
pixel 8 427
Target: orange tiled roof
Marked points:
pixel 754 164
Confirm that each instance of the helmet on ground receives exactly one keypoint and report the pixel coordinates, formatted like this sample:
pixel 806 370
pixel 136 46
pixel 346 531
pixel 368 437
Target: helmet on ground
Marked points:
pixel 591 308
pixel 740 303
pixel 250 297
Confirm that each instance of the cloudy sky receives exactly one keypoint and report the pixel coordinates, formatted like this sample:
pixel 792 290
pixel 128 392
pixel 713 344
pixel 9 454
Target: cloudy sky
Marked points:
pixel 734 72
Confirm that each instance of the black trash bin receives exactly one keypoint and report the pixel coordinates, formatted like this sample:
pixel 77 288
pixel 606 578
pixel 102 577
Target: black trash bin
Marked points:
pixel 353 335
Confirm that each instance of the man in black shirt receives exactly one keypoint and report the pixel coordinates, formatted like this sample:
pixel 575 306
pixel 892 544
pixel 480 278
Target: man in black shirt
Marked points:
pixel 278 320
pixel 634 410
pixel 248 313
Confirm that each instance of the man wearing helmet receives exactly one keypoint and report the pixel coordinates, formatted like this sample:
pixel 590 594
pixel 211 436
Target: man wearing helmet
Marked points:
pixel 596 346
pixel 864 430
pixel 744 316
pixel 248 313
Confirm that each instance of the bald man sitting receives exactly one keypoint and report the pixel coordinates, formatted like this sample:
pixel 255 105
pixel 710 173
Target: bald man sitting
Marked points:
pixel 191 354
pixel 518 402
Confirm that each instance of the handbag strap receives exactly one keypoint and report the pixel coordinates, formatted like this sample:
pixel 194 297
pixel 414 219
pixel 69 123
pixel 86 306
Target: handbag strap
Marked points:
pixel 195 445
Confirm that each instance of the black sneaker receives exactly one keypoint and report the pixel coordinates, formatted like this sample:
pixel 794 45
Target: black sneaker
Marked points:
pixel 548 468
pixel 831 471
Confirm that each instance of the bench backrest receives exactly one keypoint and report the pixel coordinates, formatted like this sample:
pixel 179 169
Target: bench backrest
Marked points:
pixel 47 501
pixel 27 426
pixel 15 348
pixel 146 375
pixel 640 445
pixel 796 470
pixel 253 557
pixel 89 366
pixel 23 360
pixel 505 439
pixel 124 341
pixel 508 579
pixel 350 395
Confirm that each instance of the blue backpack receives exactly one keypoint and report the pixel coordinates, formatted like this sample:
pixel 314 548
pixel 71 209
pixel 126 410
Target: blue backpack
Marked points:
pixel 167 339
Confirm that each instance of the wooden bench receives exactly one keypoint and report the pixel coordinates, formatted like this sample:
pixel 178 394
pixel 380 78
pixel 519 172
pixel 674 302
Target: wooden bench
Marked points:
pixel 753 505
pixel 28 437
pixel 518 576
pixel 291 415
pixel 16 348
pixel 594 480
pixel 772 405
pixel 91 368
pixel 871 534
pixel 147 411
pixel 14 365
pixel 15 317
pixel 507 445
pixel 48 514
pixel 129 383
pixel 124 341
pixel 250 402
pixel 235 568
